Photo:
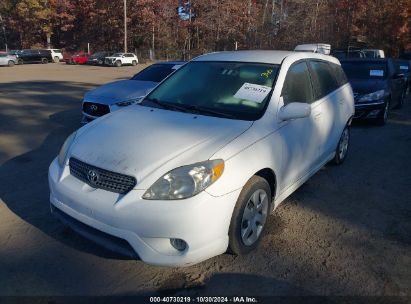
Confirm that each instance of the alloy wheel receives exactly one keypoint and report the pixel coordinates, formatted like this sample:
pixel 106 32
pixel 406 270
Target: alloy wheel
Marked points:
pixel 344 141
pixel 254 217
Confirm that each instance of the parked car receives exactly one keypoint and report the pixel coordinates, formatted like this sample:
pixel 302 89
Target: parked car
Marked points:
pixel 34 56
pixel 120 59
pixel 373 53
pixel 377 87
pixel 98 58
pixel 77 59
pixel 56 54
pixel 6 59
pixel 116 95
pixel 201 162
pixel 404 67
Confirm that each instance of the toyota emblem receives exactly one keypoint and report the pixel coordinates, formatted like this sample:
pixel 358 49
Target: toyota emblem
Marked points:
pixel 93 107
pixel 92 176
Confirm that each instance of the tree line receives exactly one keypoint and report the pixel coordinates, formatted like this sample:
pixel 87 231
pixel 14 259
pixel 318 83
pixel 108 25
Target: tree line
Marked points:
pixel 216 25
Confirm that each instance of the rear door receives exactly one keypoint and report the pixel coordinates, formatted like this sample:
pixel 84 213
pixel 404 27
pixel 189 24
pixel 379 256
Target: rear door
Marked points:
pixel 301 136
pixel 325 107
pixel 397 84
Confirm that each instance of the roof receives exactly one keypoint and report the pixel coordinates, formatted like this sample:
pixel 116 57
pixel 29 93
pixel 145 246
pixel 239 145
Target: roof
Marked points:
pixel 171 62
pixel 272 57
pixel 360 60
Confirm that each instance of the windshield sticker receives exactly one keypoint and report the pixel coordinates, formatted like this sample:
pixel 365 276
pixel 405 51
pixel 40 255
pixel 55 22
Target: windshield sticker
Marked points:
pixel 377 73
pixel 403 67
pixel 267 73
pixel 253 92
pixel 176 67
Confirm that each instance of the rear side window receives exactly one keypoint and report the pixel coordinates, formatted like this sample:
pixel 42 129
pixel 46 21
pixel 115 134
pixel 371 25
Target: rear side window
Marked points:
pixel 323 78
pixel 297 85
pixel 339 74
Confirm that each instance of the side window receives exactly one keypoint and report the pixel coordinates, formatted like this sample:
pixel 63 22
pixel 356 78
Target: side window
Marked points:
pixel 339 74
pixel 323 78
pixel 297 85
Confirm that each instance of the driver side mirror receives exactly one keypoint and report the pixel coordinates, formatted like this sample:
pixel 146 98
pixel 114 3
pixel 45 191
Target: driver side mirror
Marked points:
pixel 294 110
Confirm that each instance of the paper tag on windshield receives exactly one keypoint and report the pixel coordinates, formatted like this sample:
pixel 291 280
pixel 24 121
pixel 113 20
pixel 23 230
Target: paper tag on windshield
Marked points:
pixel 403 67
pixel 378 73
pixel 253 92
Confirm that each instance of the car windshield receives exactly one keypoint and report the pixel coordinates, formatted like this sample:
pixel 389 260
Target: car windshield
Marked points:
pixel 117 54
pixel 57 51
pixel 155 72
pixel 224 89
pixel 365 70
pixel 98 54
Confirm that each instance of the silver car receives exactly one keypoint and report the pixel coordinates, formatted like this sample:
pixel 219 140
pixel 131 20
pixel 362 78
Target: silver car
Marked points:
pixel 9 60
pixel 118 94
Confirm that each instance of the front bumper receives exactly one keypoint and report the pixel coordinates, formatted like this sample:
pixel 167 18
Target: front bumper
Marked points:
pixel 147 226
pixel 369 110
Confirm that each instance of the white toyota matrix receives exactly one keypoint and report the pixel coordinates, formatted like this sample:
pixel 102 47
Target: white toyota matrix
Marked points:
pixel 194 170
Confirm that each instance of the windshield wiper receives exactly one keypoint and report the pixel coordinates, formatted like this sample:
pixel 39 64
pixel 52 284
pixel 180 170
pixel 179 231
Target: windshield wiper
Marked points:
pixel 188 108
pixel 199 110
pixel 166 105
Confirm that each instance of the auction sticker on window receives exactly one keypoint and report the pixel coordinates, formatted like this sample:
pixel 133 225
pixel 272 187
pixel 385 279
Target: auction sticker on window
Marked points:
pixel 403 67
pixel 377 73
pixel 253 92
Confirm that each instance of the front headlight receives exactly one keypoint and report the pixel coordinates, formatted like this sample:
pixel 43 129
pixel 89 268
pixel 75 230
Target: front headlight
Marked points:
pixel 64 148
pixel 128 102
pixel 186 181
pixel 373 96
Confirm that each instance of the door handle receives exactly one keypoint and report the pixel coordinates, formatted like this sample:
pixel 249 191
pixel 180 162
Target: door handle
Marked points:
pixel 341 102
pixel 317 115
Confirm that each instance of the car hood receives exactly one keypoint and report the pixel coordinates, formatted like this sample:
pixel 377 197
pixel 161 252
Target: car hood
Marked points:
pixel 366 86
pixel 147 142
pixel 121 90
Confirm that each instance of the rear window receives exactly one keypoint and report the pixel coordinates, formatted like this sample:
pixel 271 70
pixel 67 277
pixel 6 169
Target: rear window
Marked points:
pixel 323 78
pixel 155 72
pixel 365 70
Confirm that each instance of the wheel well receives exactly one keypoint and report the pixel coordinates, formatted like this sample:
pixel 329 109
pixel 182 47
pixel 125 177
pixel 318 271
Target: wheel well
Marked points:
pixel 269 176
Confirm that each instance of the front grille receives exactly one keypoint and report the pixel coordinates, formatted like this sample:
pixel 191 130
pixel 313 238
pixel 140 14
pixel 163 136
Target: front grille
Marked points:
pixel 95 109
pixel 101 178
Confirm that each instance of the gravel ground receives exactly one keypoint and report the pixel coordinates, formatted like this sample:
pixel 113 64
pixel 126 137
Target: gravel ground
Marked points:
pixel 347 231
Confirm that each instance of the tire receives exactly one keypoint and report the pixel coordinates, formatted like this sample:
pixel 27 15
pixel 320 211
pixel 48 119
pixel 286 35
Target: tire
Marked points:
pixel 342 147
pixel 20 61
pixel 249 217
pixel 382 120
pixel 118 63
pixel 75 62
pixel 134 63
pixel 10 63
pixel 56 60
pixel 44 61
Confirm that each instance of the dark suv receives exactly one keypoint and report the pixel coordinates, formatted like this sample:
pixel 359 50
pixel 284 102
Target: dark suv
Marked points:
pixel 377 87
pixel 98 58
pixel 404 67
pixel 34 56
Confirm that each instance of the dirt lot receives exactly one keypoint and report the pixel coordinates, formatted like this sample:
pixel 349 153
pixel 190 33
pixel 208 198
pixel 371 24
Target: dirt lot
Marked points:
pixel 347 231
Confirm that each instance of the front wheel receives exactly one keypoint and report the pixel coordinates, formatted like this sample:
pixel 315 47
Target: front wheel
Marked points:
pixel 249 216
pixel 56 59
pixel 10 63
pixel 44 60
pixel 342 148
pixel 134 63
pixel 118 63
